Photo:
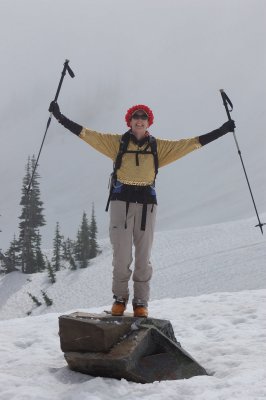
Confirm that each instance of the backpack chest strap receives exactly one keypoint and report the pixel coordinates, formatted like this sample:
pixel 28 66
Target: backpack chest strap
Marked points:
pixel 137 152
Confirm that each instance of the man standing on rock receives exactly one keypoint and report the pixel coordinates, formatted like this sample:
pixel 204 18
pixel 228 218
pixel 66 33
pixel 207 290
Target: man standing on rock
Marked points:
pixel 137 155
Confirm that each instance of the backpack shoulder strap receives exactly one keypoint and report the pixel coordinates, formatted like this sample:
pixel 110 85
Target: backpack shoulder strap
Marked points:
pixel 153 145
pixel 122 149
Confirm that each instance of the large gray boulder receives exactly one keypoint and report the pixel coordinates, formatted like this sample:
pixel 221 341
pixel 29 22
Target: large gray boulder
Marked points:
pixel 137 349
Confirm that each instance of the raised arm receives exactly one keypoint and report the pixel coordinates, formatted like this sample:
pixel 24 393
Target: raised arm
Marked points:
pixel 172 150
pixel 105 143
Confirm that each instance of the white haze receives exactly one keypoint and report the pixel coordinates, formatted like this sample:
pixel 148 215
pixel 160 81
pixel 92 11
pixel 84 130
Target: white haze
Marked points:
pixel 171 55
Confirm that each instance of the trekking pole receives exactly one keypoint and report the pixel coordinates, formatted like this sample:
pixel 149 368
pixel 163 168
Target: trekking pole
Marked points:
pixel 71 73
pixel 227 101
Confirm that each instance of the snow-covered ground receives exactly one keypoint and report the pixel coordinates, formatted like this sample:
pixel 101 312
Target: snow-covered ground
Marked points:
pixel 225 332
pixel 209 281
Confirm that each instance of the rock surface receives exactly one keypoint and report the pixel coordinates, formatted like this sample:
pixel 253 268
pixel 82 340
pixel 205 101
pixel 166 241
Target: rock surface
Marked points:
pixel 137 349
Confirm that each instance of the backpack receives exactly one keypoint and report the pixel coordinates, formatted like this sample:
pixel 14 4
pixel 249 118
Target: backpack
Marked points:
pixel 124 141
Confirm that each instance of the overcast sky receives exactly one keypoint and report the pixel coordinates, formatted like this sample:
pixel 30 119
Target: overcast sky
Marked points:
pixel 173 56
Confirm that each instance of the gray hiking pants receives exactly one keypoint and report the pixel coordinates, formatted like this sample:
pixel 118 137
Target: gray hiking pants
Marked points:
pixel 122 240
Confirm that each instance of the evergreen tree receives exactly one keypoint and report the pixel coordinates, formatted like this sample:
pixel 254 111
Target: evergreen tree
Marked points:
pixel 47 299
pixel 39 258
pixel 34 299
pixel 57 251
pixel 73 265
pixel 94 248
pixel 51 272
pixel 37 205
pixel 68 246
pixel 10 259
pixel 26 236
pixel 78 247
pixel 82 248
pixel 1 262
pixel 5 264
pixel 31 219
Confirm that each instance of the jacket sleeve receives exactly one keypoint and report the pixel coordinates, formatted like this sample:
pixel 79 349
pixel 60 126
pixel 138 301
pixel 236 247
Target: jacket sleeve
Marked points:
pixel 105 143
pixel 172 150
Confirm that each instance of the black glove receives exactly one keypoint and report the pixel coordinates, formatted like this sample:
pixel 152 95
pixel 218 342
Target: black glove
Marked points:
pixel 67 123
pixel 55 110
pixel 228 126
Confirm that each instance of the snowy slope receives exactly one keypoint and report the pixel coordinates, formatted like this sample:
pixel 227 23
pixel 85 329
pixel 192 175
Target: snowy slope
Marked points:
pixel 188 262
pixel 225 332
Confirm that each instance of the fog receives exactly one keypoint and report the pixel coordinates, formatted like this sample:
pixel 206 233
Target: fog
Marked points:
pixel 173 56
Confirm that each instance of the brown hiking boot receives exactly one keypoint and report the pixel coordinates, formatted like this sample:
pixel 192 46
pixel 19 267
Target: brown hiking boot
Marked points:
pixel 140 311
pixel 119 306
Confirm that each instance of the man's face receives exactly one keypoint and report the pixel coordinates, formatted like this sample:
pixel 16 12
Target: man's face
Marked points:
pixel 139 123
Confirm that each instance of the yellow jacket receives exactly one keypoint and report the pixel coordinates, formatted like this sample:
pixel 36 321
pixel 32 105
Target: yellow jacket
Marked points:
pixel 129 173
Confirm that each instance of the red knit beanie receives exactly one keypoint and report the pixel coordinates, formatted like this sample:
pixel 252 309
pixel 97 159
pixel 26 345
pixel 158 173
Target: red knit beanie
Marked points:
pixel 142 107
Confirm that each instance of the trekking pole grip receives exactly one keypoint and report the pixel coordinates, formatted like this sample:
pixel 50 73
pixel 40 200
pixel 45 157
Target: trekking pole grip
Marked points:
pixel 71 73
pixel 225 101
